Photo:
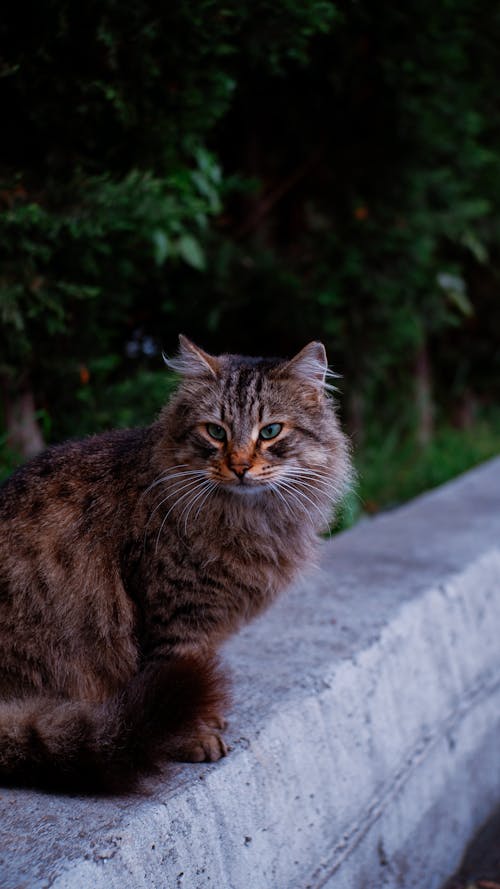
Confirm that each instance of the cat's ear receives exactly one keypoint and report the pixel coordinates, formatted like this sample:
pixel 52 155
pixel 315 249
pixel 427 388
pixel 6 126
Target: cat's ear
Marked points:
pixel 191 361
pixel 309 365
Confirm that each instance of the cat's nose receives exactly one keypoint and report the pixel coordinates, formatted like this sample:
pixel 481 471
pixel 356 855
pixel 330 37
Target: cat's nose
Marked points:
pixel 240 470
pixel 239 465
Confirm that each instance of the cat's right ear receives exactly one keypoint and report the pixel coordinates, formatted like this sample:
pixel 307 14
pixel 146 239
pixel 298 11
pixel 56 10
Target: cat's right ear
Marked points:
pixel 191 361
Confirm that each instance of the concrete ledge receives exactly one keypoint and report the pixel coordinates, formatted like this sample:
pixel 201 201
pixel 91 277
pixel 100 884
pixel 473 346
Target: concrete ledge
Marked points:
pixel 365 734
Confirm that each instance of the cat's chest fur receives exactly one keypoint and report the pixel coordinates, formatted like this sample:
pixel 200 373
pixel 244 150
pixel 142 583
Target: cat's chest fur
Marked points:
pixel 213 578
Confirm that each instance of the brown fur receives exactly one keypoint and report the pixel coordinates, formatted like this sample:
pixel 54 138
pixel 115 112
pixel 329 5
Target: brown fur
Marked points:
pixel 127 558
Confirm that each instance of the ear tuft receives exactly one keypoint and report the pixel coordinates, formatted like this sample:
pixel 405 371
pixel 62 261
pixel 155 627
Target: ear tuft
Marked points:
pixel 309 365
pixel 191 361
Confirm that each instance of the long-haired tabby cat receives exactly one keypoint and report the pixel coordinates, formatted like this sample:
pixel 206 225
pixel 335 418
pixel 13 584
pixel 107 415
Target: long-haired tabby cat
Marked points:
pixel 127 558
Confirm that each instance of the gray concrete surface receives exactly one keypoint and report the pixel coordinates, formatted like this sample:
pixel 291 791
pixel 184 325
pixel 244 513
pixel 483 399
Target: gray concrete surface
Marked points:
pixel 365 733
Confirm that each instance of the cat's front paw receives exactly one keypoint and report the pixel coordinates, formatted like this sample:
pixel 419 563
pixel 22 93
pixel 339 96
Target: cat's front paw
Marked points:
pixel 206 746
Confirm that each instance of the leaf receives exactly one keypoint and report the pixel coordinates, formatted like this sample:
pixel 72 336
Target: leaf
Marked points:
pixel 191 252
pixel 476 247
pixel 161 246
pixel 456 290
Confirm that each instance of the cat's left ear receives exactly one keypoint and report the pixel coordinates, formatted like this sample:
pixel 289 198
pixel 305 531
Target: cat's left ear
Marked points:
pixel 309 365
pixel 192 361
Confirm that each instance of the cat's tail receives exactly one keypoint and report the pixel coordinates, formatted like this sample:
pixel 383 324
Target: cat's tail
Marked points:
pixel 79 746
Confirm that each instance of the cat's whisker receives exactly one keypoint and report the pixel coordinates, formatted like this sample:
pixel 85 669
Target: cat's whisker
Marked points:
pixel 171 474
pixel 188 507
pixel 176 490
pixel 315 482
pixel 160 504
pixel 168 476
pixel 307 474
pixel 300 468
pixel 301 494
pixel 175 466
pixel 194 484
pixel 303 488
pixel 302 507
pixel 275 490
pixel 318 487
pixel 310 479
pixel 206 497
pixel 283 487
pixel 299 471
pixel 309 469
pixel 183 476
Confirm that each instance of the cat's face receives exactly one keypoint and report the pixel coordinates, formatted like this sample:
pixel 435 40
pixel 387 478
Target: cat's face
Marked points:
pixel 248 426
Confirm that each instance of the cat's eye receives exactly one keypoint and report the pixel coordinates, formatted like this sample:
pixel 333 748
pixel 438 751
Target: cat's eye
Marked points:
pixel 270 431
pixel 216 431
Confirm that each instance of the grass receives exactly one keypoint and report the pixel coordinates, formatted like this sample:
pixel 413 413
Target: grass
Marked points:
pixel 392 469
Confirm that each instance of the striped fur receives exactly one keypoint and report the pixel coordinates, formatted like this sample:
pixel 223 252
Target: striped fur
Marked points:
pixel 127 558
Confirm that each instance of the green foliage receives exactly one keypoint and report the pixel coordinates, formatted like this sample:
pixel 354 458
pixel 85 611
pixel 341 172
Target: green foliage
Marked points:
pixel 111 86
pixel 106 177
pixel 133 401
pixel 74 269
pixel 254 175
pixel 392 469
pixel 8 459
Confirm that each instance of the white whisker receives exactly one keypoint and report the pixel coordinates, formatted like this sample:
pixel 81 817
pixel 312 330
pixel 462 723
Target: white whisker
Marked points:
pixel 275 490
pixel 207 495
pixel 310 477
pixel 309 473
pixel 193 486
pixel 289 493
pixel 318 486
pixel 168 476
pixel 176 490
pixel 196 496
pixel 301 494
pixel 321 480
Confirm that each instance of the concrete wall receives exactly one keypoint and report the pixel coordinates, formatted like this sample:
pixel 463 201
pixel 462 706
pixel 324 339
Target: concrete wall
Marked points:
pixel 365 734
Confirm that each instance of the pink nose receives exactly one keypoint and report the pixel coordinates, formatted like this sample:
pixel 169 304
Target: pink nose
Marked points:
pixel 239 465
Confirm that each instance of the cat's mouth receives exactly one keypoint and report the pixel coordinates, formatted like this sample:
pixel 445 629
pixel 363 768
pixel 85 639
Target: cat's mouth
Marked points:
pixel 245 485
pixel 246 489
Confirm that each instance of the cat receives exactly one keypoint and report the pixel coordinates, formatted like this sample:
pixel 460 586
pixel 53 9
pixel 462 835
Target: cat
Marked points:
pixel 127 558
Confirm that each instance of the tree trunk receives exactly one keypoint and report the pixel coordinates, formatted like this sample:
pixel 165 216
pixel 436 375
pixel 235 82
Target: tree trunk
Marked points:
pixel 423 397
pixel 24 435
pixel 465 410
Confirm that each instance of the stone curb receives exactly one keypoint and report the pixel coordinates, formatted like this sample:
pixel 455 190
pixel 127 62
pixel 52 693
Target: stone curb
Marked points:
pixel 364 736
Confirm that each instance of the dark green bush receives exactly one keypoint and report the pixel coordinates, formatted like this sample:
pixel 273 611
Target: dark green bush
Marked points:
pixel 253 175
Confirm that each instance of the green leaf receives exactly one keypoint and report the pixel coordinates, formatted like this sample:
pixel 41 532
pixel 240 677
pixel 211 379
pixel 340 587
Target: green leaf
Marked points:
pixel 476 247
pixel 161 246
pixel 191 252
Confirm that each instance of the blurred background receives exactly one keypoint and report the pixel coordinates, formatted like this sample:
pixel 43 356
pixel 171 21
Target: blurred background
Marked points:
pixel 255 175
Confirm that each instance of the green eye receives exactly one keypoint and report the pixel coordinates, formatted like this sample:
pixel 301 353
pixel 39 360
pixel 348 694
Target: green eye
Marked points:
pixel 270 431
pixel 216 431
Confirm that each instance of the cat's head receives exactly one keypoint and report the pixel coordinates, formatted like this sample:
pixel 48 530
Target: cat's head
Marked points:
pixel 256 425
